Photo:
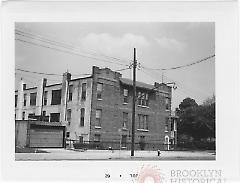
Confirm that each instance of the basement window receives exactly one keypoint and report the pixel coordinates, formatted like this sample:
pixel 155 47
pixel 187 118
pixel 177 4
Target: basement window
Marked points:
pixel 80 139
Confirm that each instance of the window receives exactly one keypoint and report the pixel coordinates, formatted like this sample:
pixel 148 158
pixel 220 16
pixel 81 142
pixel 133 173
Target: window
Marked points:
pixel 44 113
pixel 45 98
pixel 31 115
pixel 166 124
pixel 98 117
pixel 69 115
pixel 139 98
pixel 80 139
pixel 24 86
pixel 33 97
pixel 172 124
pixel 25 99
pixel 23 115
pixel 143 98
pixel 167 103
pixel 143 121
pixel 54 117
pixel 99 90
pixel 70 92
pixel 56 97
pixel 125 95
pixel 142 138
pixel 124 141
pixel 97 137
pixel 67 134
pixel 146 99
pixel 16 97
pixel 82 117
pixel 84 86
pixel 125 120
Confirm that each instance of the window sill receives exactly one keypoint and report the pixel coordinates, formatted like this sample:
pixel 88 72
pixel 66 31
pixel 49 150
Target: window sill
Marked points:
pixel 97 127
pixel 99 99
pixel 124 129
pixel 166 131
pixel 143 106
pixel 143 130
pixel 124 103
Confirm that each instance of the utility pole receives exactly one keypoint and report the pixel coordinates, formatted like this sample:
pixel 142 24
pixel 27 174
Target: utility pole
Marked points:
pixel 134 100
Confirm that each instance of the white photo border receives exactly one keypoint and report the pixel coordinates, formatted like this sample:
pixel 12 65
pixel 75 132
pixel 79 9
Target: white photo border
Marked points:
pixel 224 14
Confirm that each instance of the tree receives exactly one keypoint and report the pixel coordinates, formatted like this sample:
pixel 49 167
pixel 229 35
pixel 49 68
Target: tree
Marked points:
pixel 196 121
pixel 186 103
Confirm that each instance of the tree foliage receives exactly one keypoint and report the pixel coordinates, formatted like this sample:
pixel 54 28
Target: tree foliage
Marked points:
pixel 196 121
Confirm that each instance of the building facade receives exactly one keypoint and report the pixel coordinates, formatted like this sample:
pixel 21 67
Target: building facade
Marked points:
pixel 98 109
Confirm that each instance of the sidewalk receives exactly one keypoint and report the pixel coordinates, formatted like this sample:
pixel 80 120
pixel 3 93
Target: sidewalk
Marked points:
pixel 64 154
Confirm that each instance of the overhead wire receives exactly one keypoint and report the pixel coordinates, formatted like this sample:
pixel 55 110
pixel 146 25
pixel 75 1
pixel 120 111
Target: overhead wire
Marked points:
pixel 69 52
pixel 42 37
pixel 182 66
pixel 180 86
pixel 65 45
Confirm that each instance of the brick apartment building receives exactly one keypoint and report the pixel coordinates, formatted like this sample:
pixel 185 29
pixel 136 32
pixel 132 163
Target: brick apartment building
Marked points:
pixel 98 109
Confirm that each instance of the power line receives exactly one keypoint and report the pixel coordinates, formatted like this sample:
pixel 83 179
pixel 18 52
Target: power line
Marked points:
pixel 38 78
pixel 42 73
pixel 33 36
pixel 62 44
pixel 53 74
pixel 182 66
pixel 69 52
pixel 122 69
pixel 182 86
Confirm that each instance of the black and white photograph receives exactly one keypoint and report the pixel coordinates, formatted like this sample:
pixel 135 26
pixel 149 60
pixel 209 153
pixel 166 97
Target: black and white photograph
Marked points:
pixel 115 91
pixel 125 91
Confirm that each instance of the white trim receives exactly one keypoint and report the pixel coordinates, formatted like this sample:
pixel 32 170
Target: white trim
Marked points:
pixel 143 130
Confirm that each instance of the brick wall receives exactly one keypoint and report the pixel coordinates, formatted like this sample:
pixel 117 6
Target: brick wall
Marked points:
pixel 112 107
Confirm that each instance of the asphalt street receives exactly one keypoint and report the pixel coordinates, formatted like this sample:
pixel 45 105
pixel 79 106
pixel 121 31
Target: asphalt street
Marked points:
pixel 67 154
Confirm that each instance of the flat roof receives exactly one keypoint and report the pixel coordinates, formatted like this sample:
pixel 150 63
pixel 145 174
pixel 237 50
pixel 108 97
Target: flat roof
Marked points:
pixel 138 83
pixel 55 84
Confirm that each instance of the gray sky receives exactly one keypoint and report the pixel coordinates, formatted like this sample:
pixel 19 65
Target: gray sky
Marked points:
pixel 159 45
